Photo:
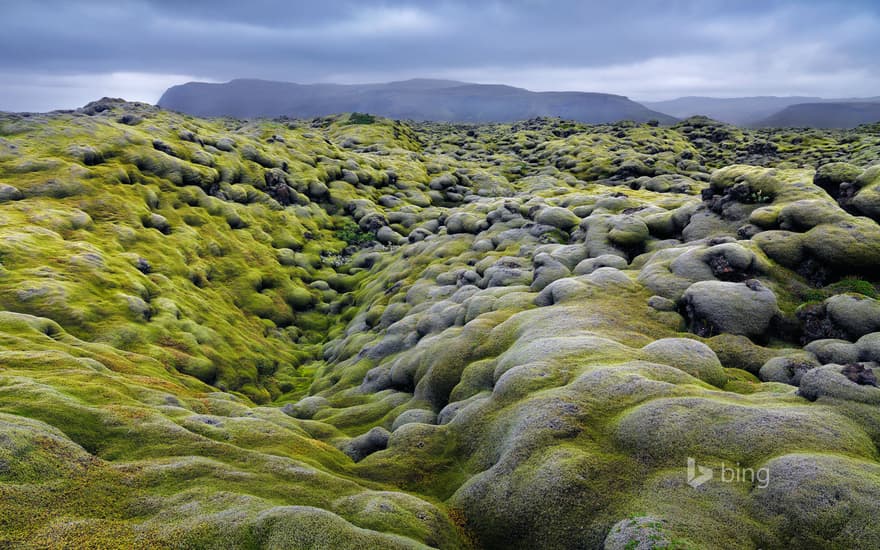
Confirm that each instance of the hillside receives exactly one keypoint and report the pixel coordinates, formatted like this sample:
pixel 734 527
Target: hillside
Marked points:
pixel 777 112
pixel 420 99
pixel 353 332
pixel 824 115
pixel 742 111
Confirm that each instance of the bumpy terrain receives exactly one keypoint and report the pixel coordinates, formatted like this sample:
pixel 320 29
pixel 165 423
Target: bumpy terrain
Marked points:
pixel 351 332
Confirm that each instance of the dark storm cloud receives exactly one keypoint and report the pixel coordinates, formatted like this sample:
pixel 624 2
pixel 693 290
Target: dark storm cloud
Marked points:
pixel 57 54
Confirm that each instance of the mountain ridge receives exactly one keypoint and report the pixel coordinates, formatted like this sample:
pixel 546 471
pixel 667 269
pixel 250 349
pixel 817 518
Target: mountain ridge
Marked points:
pixel 843 114
pixel 416 99
pixel 751 110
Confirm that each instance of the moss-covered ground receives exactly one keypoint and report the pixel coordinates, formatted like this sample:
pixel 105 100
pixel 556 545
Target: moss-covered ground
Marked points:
pixel 352 332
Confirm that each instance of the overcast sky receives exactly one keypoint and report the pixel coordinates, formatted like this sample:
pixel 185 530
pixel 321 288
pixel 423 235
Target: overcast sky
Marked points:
pixel 62 54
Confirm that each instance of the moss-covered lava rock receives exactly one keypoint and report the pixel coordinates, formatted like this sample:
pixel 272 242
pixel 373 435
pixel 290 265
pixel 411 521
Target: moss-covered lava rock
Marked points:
pixel 354 332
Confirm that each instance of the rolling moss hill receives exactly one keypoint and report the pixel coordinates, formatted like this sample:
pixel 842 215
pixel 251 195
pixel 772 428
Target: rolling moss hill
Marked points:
pixel 351 332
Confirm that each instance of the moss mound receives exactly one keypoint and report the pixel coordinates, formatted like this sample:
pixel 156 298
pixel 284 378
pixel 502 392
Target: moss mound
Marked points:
pixel 357 332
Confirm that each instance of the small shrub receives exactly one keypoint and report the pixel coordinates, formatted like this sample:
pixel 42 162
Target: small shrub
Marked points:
pixel 361 118
pixel 814 295
pixel 351 234
pixel 758 197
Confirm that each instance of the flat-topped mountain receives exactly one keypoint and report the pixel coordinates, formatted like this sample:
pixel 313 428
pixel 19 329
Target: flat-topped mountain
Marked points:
pixel 419 99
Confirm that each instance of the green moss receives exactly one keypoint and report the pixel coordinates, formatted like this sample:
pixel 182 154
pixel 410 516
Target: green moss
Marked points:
pixel 854 284
pixel 361 118
pixel 352 235
pixel 197 316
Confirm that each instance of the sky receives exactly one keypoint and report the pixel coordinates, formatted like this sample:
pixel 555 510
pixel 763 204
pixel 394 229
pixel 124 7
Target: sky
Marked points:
pixel 62 54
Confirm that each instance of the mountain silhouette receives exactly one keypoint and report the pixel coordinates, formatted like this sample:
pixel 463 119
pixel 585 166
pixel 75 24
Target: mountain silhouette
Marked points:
pixel 419 99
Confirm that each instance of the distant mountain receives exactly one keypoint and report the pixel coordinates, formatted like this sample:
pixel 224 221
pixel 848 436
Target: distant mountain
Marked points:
pixel 845 114
pixel 757 111
pixel 420 99
pixel 742 111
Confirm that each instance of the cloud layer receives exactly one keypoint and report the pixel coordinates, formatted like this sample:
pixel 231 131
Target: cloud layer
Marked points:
pixel 60 54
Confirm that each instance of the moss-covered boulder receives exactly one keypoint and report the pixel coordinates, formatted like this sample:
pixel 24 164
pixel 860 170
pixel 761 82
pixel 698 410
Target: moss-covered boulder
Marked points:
pixel 737 308
pixel 830 382
pixel 855 314
pixel 691 356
